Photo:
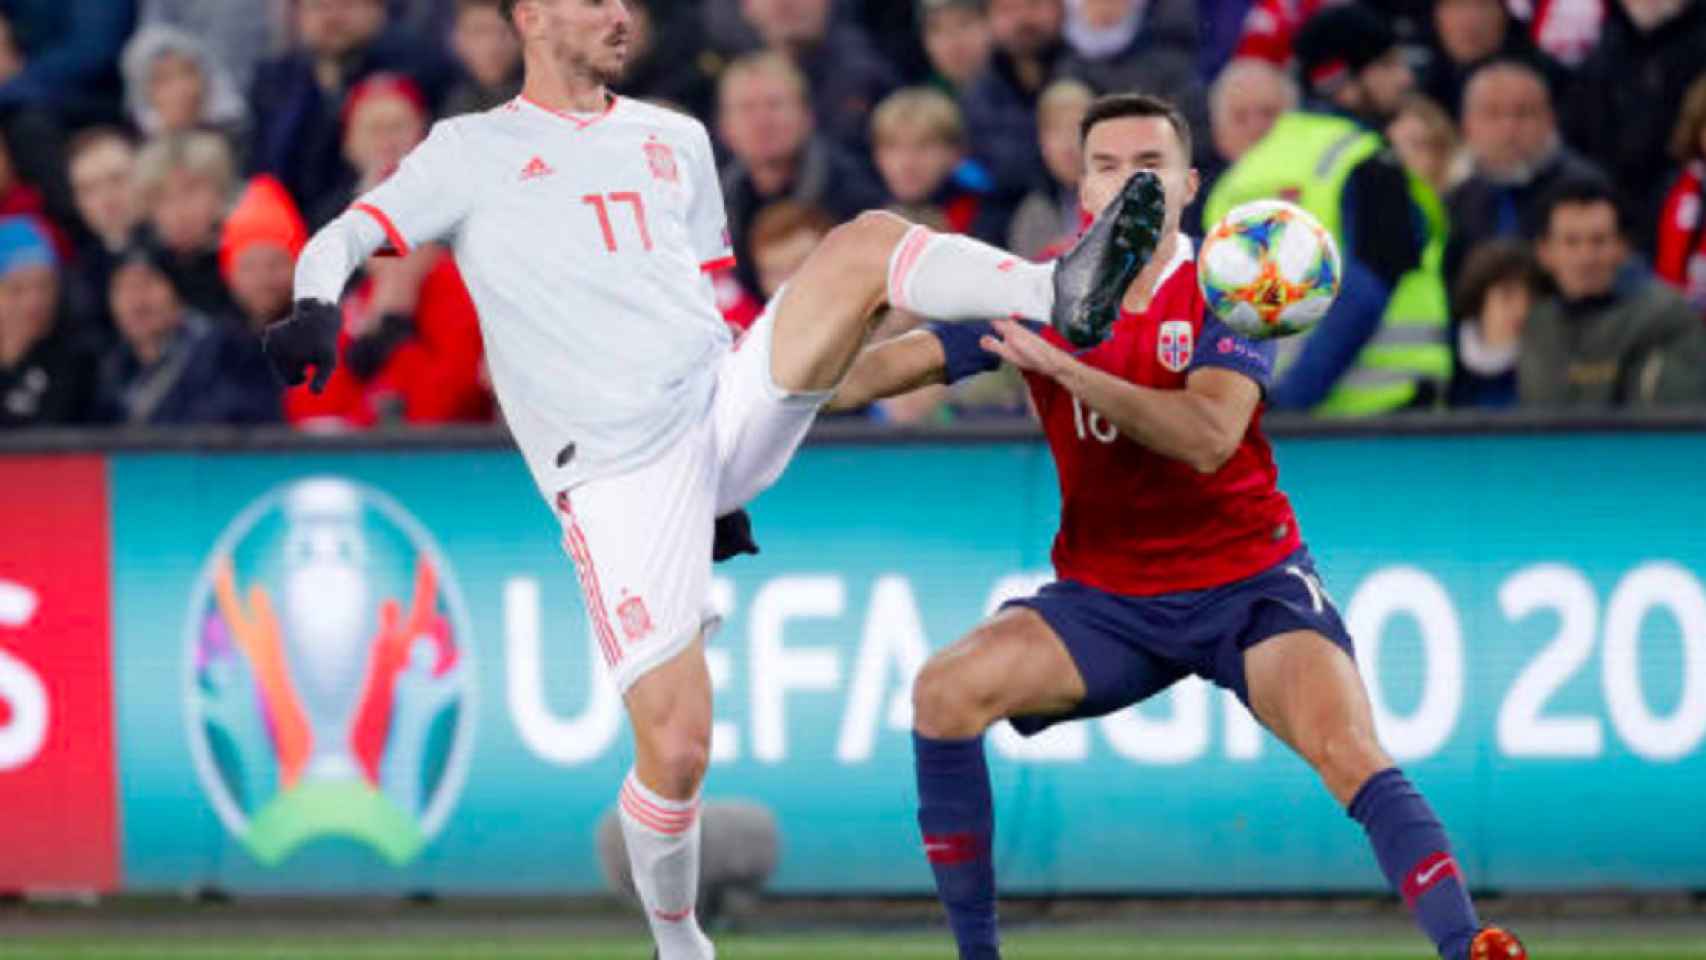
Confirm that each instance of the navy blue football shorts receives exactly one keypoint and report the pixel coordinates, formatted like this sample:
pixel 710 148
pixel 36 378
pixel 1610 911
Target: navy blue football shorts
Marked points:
pixel 1130 648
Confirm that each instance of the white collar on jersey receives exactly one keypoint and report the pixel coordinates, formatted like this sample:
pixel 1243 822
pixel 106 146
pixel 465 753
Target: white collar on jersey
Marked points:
pixel 580 120
pixel 1183 252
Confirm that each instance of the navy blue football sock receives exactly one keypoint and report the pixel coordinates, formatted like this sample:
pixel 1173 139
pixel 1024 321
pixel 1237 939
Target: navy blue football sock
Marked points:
pixel 1413 852
pixel 957 816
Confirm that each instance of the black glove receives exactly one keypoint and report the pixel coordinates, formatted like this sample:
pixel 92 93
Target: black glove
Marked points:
pixel 733 537
pixel 308 338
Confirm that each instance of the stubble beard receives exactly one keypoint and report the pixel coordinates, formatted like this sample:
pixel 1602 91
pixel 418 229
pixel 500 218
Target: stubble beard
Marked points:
pixel 580 64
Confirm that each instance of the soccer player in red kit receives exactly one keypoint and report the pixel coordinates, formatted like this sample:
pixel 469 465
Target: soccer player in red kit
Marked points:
pixel 1176 555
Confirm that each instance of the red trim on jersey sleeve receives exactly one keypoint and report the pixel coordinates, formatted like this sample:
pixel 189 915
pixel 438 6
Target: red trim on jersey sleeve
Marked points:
pixel 392 234
pixel 721 263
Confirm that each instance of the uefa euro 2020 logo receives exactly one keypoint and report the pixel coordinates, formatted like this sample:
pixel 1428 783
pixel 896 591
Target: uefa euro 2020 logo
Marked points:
pixel 330 680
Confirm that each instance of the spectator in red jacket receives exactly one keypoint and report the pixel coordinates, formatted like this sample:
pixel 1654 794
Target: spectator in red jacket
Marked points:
pixel 1681 259
pixel 411 349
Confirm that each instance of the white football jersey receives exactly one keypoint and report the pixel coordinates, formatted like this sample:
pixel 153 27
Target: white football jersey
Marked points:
pixel 586 242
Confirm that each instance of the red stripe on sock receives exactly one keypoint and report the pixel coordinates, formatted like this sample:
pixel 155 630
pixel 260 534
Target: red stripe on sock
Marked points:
pixel 646 820
pixel 911 248
pixel 656 826
pixel 949 849
pixel 653 816
pixel 1424 876
pixel 686 813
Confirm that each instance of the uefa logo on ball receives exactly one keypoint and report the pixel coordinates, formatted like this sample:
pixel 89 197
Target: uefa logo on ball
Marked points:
pixel 329 674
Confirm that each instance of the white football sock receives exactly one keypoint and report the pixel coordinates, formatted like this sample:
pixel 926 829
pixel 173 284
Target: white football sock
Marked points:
pixel 945 276
pixel 663 850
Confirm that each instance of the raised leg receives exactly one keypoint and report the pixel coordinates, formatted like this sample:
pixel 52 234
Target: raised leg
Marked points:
pixel 824 314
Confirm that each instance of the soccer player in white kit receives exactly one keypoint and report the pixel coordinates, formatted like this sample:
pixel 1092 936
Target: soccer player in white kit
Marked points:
pixel 585 225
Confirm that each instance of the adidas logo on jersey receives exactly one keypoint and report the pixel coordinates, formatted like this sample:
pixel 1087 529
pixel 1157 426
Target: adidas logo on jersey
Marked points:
pixel 535 169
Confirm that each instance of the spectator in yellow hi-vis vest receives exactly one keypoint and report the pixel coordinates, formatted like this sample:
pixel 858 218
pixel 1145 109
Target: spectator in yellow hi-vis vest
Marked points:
pixel 1383 346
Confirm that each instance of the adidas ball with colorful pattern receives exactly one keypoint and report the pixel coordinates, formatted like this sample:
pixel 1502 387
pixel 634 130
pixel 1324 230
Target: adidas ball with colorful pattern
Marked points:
pixel 1269 269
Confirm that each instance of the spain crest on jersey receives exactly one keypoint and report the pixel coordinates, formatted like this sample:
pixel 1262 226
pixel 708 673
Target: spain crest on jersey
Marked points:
pixel 636 621
pixel 661 159
pixel 1173 345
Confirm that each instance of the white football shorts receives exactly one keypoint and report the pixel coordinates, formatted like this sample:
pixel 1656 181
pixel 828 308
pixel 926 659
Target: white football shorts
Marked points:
pixel 641 540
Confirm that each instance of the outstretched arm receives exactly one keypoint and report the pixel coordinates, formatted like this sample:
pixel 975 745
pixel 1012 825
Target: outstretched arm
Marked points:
pixel 423 201
pixel 893 367
pixel 309 338
pixel 1201 425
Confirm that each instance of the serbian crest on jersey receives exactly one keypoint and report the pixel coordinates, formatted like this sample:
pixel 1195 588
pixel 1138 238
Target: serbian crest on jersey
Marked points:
pixel 661 159
pixel 1173 345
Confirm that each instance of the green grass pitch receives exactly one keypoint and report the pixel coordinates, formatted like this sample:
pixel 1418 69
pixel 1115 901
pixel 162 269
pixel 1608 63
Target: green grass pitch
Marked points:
pixel 1029 945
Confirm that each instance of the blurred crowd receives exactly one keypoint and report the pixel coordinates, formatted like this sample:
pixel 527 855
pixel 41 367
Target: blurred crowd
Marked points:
pixel 162 163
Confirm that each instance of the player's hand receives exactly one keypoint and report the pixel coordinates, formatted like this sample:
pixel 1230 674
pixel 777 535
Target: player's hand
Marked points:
pixel 308 338
pixel 1025 350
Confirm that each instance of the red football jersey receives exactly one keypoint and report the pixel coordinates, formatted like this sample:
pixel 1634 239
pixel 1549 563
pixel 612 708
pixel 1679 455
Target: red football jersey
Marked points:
pixel 1134 521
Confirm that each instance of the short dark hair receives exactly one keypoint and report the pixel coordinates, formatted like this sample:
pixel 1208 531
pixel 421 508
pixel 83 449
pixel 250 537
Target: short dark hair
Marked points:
pixel 1493 263
pixel 1580 192
pixel 507 8
pixel 1511 64
pixel 1113 106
